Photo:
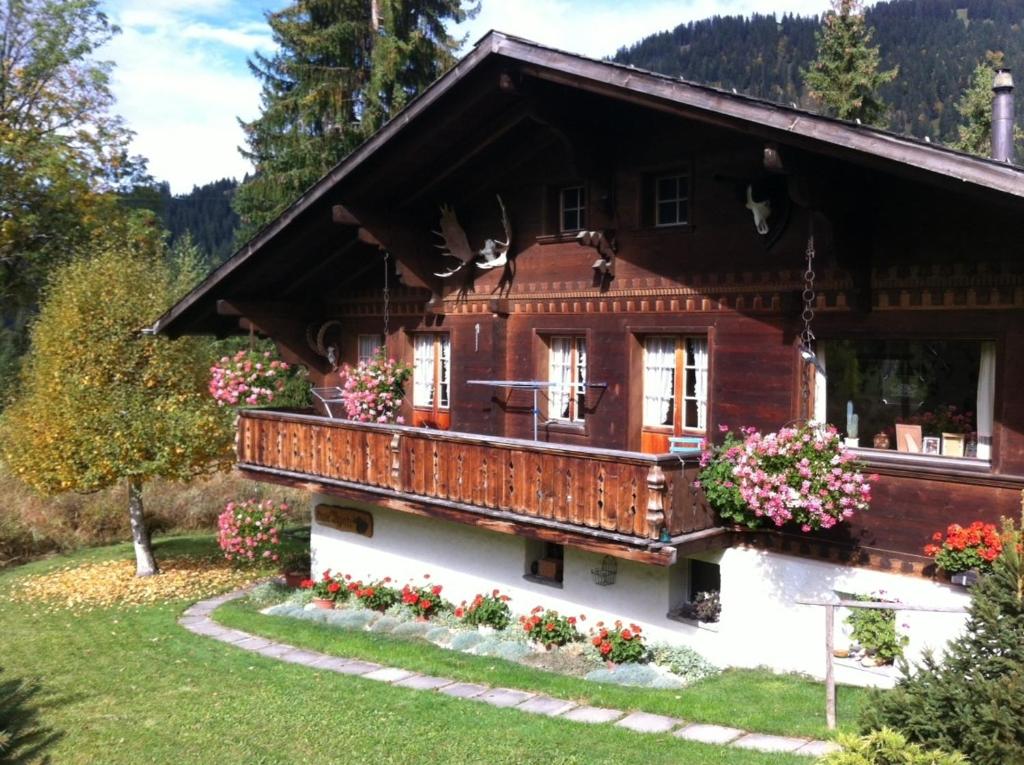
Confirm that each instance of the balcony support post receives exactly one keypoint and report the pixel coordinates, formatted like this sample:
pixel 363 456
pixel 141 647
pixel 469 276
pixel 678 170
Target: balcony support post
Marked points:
pixel 656 490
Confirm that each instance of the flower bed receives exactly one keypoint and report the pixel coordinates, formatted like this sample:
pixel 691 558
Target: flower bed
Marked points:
pixel 543 638
pixel 802 476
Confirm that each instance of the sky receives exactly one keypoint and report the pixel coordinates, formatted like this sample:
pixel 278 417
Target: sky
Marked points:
pixel 181 79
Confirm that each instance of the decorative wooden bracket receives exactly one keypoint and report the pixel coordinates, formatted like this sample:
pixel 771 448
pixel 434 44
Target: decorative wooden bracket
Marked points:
pixel 656 490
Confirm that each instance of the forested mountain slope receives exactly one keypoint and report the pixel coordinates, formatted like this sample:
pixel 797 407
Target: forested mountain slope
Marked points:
pixel 935 43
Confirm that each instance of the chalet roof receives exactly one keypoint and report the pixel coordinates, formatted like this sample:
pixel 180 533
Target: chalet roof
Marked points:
pixel 932 163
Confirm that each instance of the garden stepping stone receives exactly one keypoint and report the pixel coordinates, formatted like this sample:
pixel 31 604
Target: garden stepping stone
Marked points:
pixel 765 743
pixel 196 619
pixel 545 705
pixel 388 674
pixel 505 697
pixel 644 722
pixel 709 734
pixel 424 682
pixel 358 668
pixel 818 748
pixel 464 690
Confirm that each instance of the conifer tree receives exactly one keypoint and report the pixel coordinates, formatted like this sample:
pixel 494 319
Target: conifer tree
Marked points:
pixel 975 110
pixel 99 404
pixel 972 700
pixel 844 77
pixel 342 68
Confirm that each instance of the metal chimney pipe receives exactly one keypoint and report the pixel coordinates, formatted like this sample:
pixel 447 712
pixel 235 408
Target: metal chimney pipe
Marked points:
pixel 1002 116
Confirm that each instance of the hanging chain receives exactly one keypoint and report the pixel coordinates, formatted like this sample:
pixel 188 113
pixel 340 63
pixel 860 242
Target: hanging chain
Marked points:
pixel 387 295
pixel 807 335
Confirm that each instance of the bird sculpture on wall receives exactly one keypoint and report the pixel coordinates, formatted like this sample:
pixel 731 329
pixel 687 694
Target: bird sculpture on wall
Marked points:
pixel 494 253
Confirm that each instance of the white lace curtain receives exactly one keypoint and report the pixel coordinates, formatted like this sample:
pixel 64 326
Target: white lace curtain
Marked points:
pixel 560 372
pixel 423 371
pixel 698 351
pixel 986 399
pixel 659 380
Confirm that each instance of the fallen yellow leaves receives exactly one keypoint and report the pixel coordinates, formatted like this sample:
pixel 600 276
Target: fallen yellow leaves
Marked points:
pixel 112 584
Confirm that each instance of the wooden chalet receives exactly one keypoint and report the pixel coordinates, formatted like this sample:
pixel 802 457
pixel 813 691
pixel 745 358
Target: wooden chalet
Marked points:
pixel 655 285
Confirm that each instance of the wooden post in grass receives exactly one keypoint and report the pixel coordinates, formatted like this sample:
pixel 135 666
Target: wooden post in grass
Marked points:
pixel 830 677
pixel 830 629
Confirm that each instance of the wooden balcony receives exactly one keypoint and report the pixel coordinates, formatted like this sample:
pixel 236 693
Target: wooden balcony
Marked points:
pixel 607 501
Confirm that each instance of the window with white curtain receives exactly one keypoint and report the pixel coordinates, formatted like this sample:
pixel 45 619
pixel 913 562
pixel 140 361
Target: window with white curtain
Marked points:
pixel 567 370
pixel 928 396
pixel 368 347
pixel 675 382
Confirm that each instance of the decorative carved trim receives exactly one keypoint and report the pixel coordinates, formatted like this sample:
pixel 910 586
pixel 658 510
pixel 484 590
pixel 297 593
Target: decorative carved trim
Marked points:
pixel 655 502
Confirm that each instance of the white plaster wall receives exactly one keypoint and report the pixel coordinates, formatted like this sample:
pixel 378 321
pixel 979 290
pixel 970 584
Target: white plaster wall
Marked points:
pixel 760 625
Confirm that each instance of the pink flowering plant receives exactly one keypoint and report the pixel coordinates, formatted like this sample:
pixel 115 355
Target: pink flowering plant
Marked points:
pixel 249 532
pixel 373 390
pixel 800 475
pixel 248 377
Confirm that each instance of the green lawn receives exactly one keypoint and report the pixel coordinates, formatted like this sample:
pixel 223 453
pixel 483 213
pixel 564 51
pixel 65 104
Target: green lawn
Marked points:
pixel 131 686
pixel 756 700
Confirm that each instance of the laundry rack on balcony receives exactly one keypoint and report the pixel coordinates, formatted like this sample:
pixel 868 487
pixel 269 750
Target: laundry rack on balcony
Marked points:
pixel 531 385
pixel 328 397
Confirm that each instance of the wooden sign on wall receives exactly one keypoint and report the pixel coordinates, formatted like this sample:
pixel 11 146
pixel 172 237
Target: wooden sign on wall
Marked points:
pixel 345 519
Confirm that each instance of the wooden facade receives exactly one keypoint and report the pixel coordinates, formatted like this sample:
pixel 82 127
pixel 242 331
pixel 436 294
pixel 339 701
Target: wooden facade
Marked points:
pixel 911 242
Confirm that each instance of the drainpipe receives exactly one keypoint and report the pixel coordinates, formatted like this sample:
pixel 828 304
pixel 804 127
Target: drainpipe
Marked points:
pixel 1002 116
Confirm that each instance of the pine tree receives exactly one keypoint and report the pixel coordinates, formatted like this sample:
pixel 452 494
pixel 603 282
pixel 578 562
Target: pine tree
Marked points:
pixel 844 77
pixel 972 701
pixel 342 68
pixel 975 109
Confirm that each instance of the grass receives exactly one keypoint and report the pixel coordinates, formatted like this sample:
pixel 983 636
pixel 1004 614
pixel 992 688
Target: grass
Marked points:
pixel 131 686
pixel 756 700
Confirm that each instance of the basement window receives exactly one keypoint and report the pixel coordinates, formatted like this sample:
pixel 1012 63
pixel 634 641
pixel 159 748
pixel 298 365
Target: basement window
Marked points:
pixel 545 562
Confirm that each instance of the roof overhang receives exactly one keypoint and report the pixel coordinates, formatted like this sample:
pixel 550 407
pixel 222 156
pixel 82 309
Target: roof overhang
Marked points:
pixel 857 143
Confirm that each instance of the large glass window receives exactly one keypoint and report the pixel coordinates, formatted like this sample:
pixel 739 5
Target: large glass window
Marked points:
pixel 676 370
pixel 925 396
pixel 567 370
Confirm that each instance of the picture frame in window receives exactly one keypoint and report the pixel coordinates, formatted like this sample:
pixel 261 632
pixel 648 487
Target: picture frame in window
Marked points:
pixel 952 444
pixel 908 438
pixel 931 445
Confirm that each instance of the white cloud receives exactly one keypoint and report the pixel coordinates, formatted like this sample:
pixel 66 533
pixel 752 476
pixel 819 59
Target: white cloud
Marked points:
pixel 181 82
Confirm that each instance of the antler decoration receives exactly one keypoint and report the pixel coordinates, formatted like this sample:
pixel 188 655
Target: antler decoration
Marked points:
pixel 493 254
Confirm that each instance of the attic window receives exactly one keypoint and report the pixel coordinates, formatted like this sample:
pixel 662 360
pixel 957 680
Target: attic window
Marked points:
pixel 572 206
pixel 671 200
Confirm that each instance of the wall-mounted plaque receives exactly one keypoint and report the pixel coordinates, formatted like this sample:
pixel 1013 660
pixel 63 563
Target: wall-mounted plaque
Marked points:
pixel 345 519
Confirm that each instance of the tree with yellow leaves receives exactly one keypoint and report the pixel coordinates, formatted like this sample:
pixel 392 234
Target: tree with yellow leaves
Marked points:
pixel 99 403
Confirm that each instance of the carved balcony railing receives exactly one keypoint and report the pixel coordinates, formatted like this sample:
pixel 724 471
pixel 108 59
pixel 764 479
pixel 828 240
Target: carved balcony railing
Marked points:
pixel 627 494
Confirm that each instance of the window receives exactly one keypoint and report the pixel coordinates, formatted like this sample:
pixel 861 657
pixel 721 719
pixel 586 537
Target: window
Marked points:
pixel 368 347
pixel 927 396
pixel 545 562
pixel 431 371
pixel 572 205
pixel 676 382
pixel 567 370
pixel 671 200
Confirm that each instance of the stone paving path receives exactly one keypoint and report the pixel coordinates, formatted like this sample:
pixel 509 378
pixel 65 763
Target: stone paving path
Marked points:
pixel 197 619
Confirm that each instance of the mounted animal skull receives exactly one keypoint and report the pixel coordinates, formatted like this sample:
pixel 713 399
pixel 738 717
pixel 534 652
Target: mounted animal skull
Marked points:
pixel 761 210
pixel 493 254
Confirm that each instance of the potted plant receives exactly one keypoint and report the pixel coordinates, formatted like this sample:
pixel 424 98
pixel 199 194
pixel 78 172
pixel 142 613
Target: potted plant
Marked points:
pixel 424 601
pixel 486 612
pixel 550 628
pixel 965 549
pixel 295 569
pixel 249 531
pixel 377 596
pixel 802 476
pixel 705 608
pixel 618 644
pixel 327 591
pixel 373 390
